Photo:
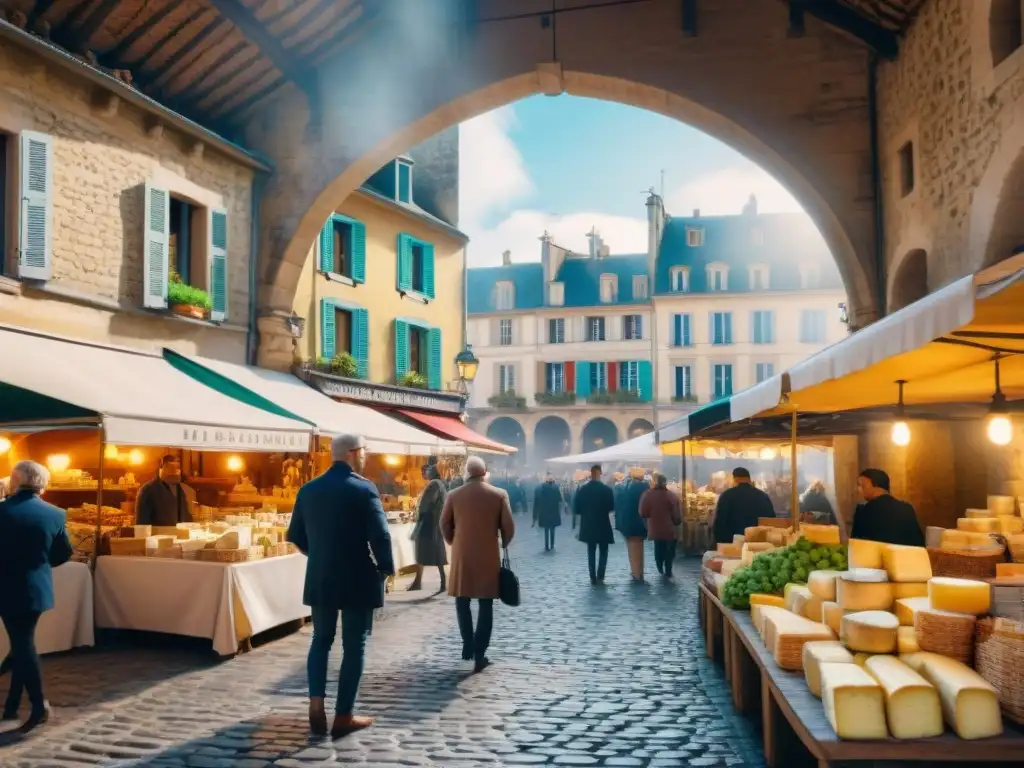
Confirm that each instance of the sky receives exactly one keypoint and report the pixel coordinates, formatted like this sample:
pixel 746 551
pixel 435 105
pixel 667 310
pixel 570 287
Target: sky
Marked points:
pixel 565 164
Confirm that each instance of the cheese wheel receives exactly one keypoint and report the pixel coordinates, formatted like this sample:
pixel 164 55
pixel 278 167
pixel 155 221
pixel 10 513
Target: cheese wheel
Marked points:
pixel 976 513
pixel 910 589
pixel 823 584
pixel 978 524
pixel 761 599
pixel 863 553
pixel 813 609
pixel 864 595
pixel 970 705
pixel 959 595
pixel 906 607
pixel 854 702
pixel 906 640
pixel 953 539
pixel 907 564
pixel 831 615
pixel 867 575
pixel 820 534
pixel 817 653
pixel 869 631
pixel 912 706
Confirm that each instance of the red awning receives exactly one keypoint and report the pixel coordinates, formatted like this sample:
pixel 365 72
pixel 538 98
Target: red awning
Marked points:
pixel 451 428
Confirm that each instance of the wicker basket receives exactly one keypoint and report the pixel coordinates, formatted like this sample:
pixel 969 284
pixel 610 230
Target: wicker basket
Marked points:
pixel 999 658
pixel 966 563
pixel 950 634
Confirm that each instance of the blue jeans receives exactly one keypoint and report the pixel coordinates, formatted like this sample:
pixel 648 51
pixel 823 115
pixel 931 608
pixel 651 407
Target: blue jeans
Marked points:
pixel 549 538
pixel 356 624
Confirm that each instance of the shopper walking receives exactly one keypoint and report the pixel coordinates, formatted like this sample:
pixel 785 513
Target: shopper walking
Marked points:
pixel 631 525
pixel 547 501
pixel 338 522
pixel 594 504
pixel 474 516
pixel 426 535
pixel 661 509
pixel 33 541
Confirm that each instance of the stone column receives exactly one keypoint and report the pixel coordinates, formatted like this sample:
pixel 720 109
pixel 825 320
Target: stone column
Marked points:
pixel 277 341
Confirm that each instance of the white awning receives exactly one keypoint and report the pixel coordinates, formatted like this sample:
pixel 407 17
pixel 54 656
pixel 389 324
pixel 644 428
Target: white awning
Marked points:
pixel 641 449
pixel 761 397
pixel 383 434
pixel 138 397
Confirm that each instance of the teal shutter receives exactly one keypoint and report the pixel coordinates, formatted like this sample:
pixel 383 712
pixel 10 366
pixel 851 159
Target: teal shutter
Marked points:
pixel 583 379
pixel 404 263
pixel 728 381
pixel 35 231
pixel 327 246
pixel 428 270
pixel 361 341
pixel 645 380
pixel 358 251
pixel 327 330
pixel 434 372
pixel 219 264
pixel 401 349
pixel 156 254
pixel 727 323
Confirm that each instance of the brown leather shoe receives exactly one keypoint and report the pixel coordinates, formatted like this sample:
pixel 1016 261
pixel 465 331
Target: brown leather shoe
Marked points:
pixel 317 717
pixel 346 724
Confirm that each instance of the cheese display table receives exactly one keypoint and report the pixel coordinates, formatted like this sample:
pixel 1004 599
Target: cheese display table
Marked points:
pixel 225 602
pixel 69 624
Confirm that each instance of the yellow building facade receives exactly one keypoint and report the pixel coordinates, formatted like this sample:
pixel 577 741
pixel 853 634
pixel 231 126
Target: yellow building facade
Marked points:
pixel 382 291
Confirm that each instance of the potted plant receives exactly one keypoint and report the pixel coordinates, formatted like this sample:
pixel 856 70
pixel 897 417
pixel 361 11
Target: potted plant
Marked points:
pixel 344 365
pixel 507 399
pixel 185 300
pixel 413 379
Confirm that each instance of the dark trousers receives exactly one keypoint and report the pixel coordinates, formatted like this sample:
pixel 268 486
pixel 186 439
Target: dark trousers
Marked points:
pixel 664 554
pixel 479 641
pixel 26 673
pixel 549 537
pixel 598 553
pixel 356 624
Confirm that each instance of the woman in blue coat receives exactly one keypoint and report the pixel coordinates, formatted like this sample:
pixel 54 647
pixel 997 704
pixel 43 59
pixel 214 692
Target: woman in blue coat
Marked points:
pixel 547 508
pixel 632 527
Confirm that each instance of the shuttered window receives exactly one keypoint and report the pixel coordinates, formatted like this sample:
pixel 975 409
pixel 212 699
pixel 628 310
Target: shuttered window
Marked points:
pixel 343 248
pixel 156 254
pixel 554 377
pixel 506 378
pixel 721 383
pixel 762 330
pixel 418 348
pixel 35 231
pixel 681 334
pixel 218 284
pixel 415 272
pixel 721 327
pixel 344 327
pixel 683 382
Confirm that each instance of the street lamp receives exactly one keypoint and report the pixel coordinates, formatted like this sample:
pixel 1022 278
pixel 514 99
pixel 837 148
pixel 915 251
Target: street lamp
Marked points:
pixel 467 364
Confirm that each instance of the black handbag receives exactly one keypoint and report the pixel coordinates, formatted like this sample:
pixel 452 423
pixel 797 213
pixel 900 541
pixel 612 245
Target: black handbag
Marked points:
pixel 508 582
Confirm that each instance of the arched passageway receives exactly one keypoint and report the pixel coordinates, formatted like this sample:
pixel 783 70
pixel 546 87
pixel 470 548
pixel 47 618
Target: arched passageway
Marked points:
pixel 639 427
pixel 551 437
pixel 507 430
pixel 909 280
pixel 599 433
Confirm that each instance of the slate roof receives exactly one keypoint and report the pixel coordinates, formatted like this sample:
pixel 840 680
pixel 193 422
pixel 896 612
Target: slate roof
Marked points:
pixel 528 280
pixel 582 279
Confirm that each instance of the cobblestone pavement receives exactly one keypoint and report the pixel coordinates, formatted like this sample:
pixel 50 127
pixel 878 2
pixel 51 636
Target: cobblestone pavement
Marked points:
pixel 605 676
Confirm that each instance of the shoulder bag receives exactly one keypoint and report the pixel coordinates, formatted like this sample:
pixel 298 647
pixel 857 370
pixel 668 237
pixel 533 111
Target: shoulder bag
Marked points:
pixel 508 582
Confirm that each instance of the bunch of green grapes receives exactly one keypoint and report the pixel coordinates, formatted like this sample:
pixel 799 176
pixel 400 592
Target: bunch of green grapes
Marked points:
pixel 771 571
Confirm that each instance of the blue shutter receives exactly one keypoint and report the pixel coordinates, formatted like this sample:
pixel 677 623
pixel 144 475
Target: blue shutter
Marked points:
pixel 327 246
pixel 583 379
pixel 35 233
pixel 361 341
pixel 712 326
pixel 327 330
pixel 434 373
pixel 219 265
pixel 428 270
pixel 401 349
pixel 677 330
pixel 155 256
pixel 679 381
pixel 645 380
pixel 358 251
pixel 727 326
pixel 687 337
pixel 404 263
pixel 728 380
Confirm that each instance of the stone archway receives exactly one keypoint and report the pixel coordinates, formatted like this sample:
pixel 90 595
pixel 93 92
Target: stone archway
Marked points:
pixel 639 427
pixel 599 433
pixel 909 280
pixel 997 226
pixel 507 430
pixel 551 437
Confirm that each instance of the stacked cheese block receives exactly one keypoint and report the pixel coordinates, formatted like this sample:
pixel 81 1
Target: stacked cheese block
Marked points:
pixel 886 604
pixel 976 530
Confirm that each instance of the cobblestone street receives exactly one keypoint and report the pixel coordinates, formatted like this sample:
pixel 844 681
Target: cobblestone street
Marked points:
pixel 612 676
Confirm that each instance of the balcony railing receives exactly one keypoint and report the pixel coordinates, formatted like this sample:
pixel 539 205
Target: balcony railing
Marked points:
pixel 555 398
pixel 684 398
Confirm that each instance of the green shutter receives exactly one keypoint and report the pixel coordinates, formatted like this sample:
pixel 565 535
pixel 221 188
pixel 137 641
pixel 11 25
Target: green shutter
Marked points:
pixel 35 233
pixel 327 246
pixel 358 251
pixel 434 372
pixel 583 379
pixel 219 264
pixel 645 380
pixel 401 349
pixel 428 270
pixel 404 263
pixel 327 330
pixel 361 340
pixel 156 254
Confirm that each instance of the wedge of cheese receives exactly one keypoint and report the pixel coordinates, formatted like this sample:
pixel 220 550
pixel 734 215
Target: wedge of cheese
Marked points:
pixel 976 513
pixel 786 590
pixel 751 549
pixel 906 607
pixel 860 657
pixel 738 539
pixel 831 615
pixel 906 564
pixel 862 553
pixel 869 631
pixel 1009 525
pixel 912 706
pixel 797 600
pixel 864 589
pixel 820 534
pixel 854 701
pixel 761 599
pixel 813 609
pixel 730 550
pixel 978 524
pixel 823 584
pixel 970 705
pixel 910 589
pixel 754 534
pixel 785 634
pixel 1001 505
pixel 959 595
pixel 906 640
pixel 817 653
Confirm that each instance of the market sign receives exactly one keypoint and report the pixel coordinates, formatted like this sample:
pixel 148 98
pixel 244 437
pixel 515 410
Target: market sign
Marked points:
pixel 203 437
pixel 395 397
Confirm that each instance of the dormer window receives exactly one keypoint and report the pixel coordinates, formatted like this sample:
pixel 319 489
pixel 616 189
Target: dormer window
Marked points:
pixel 759 277
pixel 504 295
pixel 679 279
pixel 609 289
pixel 639 287
pixel 718 277
pixel 810 276
pixel 556 294
pixel 403 181
pixel 694 237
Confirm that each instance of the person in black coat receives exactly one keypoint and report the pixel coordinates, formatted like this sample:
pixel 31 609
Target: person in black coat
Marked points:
pixel 739 507
pixel 547 507
pixel 883 517
pixel 815 506
pixel 594 503
pixel 33 541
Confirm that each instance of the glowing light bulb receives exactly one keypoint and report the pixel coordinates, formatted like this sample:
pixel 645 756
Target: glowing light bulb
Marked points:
pixel 58 462
pixel 767 454
pixel 901 433
pixel 235 464
pixel 710 453
pixel 1000 429
pixel 136 457
pixel 5 445
pixel 392 461
pixel 110 452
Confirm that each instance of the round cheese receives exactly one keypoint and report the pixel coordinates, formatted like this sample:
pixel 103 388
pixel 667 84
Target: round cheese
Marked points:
pixel 869 631
pixel 823 584
pixel 864 595
pixel 865 574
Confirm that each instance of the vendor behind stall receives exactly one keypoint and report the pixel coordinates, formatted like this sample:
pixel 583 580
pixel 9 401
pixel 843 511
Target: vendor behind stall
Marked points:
pixel 740 507
pixel 883 517
pixel 165 500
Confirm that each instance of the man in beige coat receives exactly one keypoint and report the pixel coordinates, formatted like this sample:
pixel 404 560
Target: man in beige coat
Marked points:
pixel 473 517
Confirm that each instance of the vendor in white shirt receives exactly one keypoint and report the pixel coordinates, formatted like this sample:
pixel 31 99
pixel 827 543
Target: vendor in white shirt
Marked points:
pixel 165 500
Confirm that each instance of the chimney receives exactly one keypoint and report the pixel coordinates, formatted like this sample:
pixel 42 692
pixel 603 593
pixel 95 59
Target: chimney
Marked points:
pixel 506 258
pixel 595 243
pixel 696 213
pixel 604 251
pixel 655 227
pixel 750 209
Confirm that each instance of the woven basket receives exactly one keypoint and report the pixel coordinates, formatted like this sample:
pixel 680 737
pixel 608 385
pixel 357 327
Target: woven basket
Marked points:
pixel 966 563
pixel 950 634
pixel 1000 660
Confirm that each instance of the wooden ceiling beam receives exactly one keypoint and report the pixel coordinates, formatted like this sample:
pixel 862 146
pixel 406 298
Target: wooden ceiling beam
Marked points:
pixel 180 56
pixel 215 78
pixel 251 28
pixel 240 109
pixel 836 14
pixel 81 25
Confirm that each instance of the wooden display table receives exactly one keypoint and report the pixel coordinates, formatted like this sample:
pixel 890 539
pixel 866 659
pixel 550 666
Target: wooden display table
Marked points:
pixel 796 731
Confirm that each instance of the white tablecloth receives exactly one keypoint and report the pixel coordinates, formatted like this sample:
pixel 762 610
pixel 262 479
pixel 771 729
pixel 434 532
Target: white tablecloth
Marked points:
pixel 402 549
pixel 226 602
pixel 69 624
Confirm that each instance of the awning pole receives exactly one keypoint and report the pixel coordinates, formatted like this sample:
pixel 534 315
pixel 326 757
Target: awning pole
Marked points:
pixel 795 501
pixel 99 497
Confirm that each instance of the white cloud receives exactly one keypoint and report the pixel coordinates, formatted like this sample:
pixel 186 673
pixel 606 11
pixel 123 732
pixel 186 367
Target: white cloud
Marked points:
pixel 726 191
pixel 492 174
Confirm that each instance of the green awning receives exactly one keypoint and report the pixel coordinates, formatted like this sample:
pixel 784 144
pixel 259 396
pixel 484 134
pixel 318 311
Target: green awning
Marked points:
pixel 693 423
